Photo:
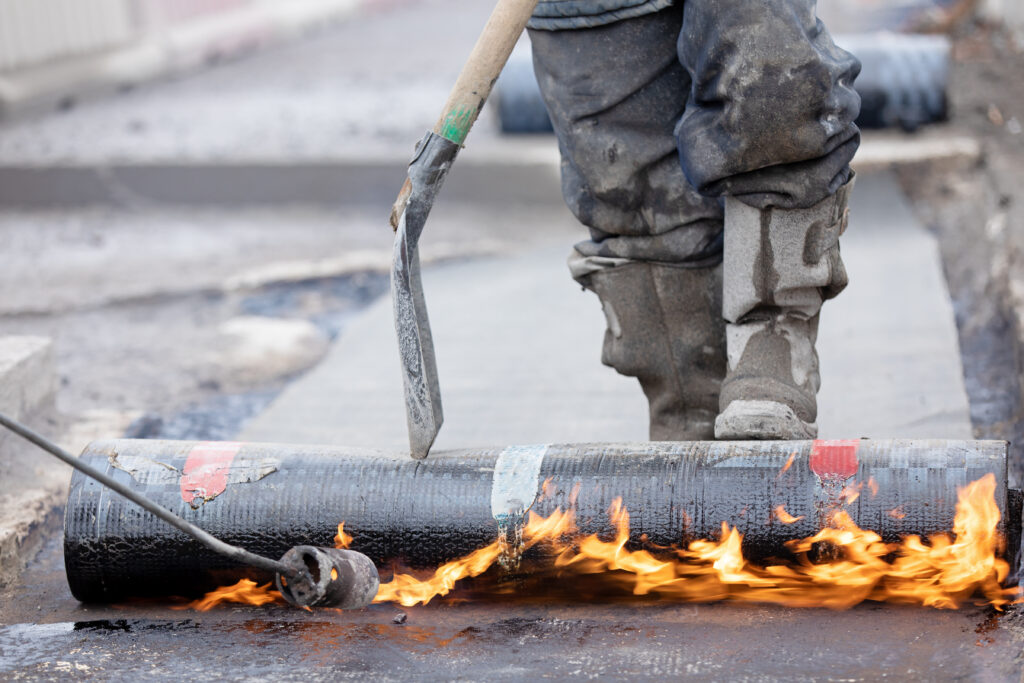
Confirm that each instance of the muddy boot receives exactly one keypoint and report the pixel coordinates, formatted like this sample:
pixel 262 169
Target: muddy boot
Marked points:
pixel 780 265
pixel 665 329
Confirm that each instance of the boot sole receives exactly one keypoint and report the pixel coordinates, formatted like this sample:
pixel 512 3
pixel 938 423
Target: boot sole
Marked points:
pixel 762 421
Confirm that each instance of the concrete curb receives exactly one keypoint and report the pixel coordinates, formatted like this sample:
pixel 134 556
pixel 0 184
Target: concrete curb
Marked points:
pixel 28 381
pixel 526 169
pixel 887 151
pixel 177 50
pixel 34 488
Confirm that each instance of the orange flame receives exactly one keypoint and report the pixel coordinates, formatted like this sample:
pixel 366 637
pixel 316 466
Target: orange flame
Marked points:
pixel 785 517
pixel 408 590
pixel 789 463
pixel 246 592
pixel 851 493
pixel 341 539
pixel 547 489
pixel 942 573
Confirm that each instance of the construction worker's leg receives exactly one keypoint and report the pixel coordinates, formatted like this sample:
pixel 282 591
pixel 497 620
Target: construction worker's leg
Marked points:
pixel 615 93
pixel 769 128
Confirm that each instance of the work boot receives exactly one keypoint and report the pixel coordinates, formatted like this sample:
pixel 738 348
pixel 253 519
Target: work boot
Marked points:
pixel 665 328
pixel 780 265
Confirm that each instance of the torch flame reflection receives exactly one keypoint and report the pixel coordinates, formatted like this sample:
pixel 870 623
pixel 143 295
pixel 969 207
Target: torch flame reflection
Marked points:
pixel 785 517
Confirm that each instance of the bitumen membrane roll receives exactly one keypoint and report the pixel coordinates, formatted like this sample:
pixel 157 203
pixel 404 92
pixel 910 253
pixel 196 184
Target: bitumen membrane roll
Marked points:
pixel 268 498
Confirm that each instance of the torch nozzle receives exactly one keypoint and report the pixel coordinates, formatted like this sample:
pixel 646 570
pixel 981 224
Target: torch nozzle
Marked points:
pixel 328 577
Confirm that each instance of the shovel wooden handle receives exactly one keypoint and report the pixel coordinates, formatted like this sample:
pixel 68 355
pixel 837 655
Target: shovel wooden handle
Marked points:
pixel 481 70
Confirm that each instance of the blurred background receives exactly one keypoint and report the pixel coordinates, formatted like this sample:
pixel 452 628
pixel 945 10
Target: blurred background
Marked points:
pixel 194 193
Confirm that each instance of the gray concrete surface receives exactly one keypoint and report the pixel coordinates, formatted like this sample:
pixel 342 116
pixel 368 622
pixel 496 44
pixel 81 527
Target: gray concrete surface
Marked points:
pixel 157 50
pixel 518 347
pixel 888 345
pixel 73 259
pixel 328 119
pixel 850 16
pixel 28 381
pixel 376 81
pixel 365 89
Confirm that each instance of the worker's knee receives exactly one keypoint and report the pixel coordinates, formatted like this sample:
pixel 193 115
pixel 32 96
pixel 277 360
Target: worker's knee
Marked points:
pixel 770 117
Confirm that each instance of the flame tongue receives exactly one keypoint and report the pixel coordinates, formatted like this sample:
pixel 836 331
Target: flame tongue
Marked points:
pixel 246 592
pixel 944 572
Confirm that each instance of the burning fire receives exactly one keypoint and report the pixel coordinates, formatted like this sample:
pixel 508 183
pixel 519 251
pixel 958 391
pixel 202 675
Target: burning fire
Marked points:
pixel 341 539
pixel 942 573
pixel 246 592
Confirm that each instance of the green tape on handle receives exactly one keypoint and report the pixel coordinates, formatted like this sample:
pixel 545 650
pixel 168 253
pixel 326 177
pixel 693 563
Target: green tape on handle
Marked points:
pixel 457 123
pixel 481 70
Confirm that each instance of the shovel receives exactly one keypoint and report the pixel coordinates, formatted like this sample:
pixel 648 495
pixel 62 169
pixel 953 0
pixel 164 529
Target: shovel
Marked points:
pixel 427 170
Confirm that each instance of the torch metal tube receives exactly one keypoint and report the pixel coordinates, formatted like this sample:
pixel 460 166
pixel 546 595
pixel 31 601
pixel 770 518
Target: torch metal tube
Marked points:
pixel 211 542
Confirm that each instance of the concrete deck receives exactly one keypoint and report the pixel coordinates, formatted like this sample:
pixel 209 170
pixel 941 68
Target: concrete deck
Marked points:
pixel 518 348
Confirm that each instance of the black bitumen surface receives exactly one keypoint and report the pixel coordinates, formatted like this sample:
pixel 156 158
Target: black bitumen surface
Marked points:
pixel 46 634
pixel 279 496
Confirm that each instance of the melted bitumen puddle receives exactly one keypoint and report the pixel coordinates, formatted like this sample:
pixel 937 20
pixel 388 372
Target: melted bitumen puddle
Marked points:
pixel 988 349
pixel 130 625
pixel 217 419
pixel 336 299
pixel 328 303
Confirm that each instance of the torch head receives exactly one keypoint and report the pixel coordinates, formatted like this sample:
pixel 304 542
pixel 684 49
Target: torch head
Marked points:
pixel 328 577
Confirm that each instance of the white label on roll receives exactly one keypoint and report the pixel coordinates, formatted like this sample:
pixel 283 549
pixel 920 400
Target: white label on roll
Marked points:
pixel 516 479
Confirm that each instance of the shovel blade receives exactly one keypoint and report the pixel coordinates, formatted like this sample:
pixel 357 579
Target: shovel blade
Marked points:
pixel 423 410
pixel 427 171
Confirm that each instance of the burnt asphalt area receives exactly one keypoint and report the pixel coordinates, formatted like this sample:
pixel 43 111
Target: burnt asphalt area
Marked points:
pixel 47 635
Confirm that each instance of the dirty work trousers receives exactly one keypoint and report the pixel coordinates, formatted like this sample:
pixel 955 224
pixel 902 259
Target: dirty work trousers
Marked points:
pixel 660 116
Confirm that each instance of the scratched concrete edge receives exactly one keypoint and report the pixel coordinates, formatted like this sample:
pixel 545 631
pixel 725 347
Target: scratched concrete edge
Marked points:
pixel 27 392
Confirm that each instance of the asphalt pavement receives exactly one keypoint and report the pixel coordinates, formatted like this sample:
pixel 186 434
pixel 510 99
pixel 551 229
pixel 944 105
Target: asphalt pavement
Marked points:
pixel 44 635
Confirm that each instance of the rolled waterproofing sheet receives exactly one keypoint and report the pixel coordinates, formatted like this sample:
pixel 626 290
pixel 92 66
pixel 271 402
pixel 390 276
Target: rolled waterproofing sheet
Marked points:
pixel 268 498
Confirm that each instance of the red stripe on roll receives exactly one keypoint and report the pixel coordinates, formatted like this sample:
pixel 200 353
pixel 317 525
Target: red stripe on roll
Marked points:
pixel 835 459
pixel 205 475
